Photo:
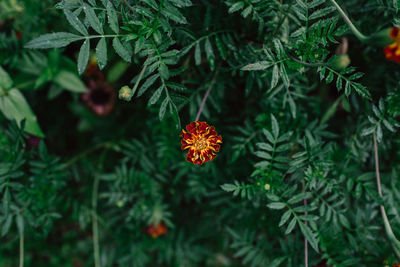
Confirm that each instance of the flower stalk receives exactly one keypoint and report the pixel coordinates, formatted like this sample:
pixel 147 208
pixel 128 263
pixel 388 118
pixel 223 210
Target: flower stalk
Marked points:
pixel 389 232
pixel 353 28
pixel 21 249
pixel 203 102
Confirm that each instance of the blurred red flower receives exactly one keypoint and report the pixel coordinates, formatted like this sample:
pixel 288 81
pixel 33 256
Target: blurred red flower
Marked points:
pixel 392 51
pixel 100 97
pixel 156 231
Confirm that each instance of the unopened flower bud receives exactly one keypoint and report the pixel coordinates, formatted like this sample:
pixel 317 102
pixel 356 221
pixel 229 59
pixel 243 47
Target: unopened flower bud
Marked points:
pixel 125 93
pixel 339 62
pixel 383 37
pixel 119 203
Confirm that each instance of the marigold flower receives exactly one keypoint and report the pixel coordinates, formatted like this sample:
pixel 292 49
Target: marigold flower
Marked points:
pixel 156 231
pixel 392 51
pixel 202 142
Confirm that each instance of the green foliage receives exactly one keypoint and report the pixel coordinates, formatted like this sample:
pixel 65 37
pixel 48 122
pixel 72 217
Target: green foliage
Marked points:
pixel 297 164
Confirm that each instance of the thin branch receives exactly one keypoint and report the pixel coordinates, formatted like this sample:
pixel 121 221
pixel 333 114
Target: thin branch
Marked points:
pixel 389 232
pixel 95 227
pixel 353 28
pixel 305 239
pixel 21 249
pixel 138 80
pixel 203 102
pixel 130 7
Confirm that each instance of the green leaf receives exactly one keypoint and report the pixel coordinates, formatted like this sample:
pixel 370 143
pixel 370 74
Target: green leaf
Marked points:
pixel 285 217
pixel 70 81
pixel 14 107
pixel 275 76
pixel 101 53
pixel 276 205
pixel 284 75
pixel 5 80
pixel 93 19
pixel 321 12
pixel 208 48
pixel 344 221
pixel 275 126
pixel 299 197
pixel 163 70
pixel 235 7
pixel 290 227
pixel 83 57
pixel 121 50
pixel 309 236
pixel 173 13
pixel 163 108
pixel 112 17
pixel 247 11
pixel 229 187
pixel 75 22
pixel 147 84
pixel 53 40
pixel 260 65
pixel 197 54
pixel 265 146
pixel 6 225
pixel 156 95
pixel 263 155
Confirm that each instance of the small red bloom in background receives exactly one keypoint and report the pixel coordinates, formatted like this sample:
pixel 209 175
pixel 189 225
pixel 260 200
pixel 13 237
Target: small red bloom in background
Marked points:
pixel 100 97
pixel 92 71
pixel 396 264
pixel 156 231
pixel 392 51
pixel 32 141
pixel 202 142
pixel 18 35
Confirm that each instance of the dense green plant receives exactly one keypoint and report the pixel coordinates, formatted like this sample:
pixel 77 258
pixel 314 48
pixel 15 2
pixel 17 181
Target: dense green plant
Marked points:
pixel 300 91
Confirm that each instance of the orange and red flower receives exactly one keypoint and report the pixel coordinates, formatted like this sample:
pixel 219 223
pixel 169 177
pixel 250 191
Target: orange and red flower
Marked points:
pixel 392 51
pixel 156 231
pixel 202 142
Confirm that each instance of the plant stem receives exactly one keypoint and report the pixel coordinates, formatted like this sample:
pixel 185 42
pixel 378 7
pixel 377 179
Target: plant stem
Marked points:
pixel 203 102
pixel 353 28
pixel 21 249
pixel 86 152
pixel 95 227
pixel 138 80
pixel 389 232
pixel 305 239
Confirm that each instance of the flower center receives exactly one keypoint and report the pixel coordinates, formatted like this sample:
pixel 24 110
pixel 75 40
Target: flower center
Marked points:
pixel 200 143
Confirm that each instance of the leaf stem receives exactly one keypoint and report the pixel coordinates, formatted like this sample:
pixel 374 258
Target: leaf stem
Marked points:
pixel 353 28
pixel 95 227
pixel 86 152
pixel 21 249
pixel 203 102
pixel 389 232
pixel 305 239
pixel 138 80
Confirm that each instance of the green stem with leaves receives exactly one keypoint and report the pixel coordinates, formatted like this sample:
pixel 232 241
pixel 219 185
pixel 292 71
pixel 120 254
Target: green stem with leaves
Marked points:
pixel 389 232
